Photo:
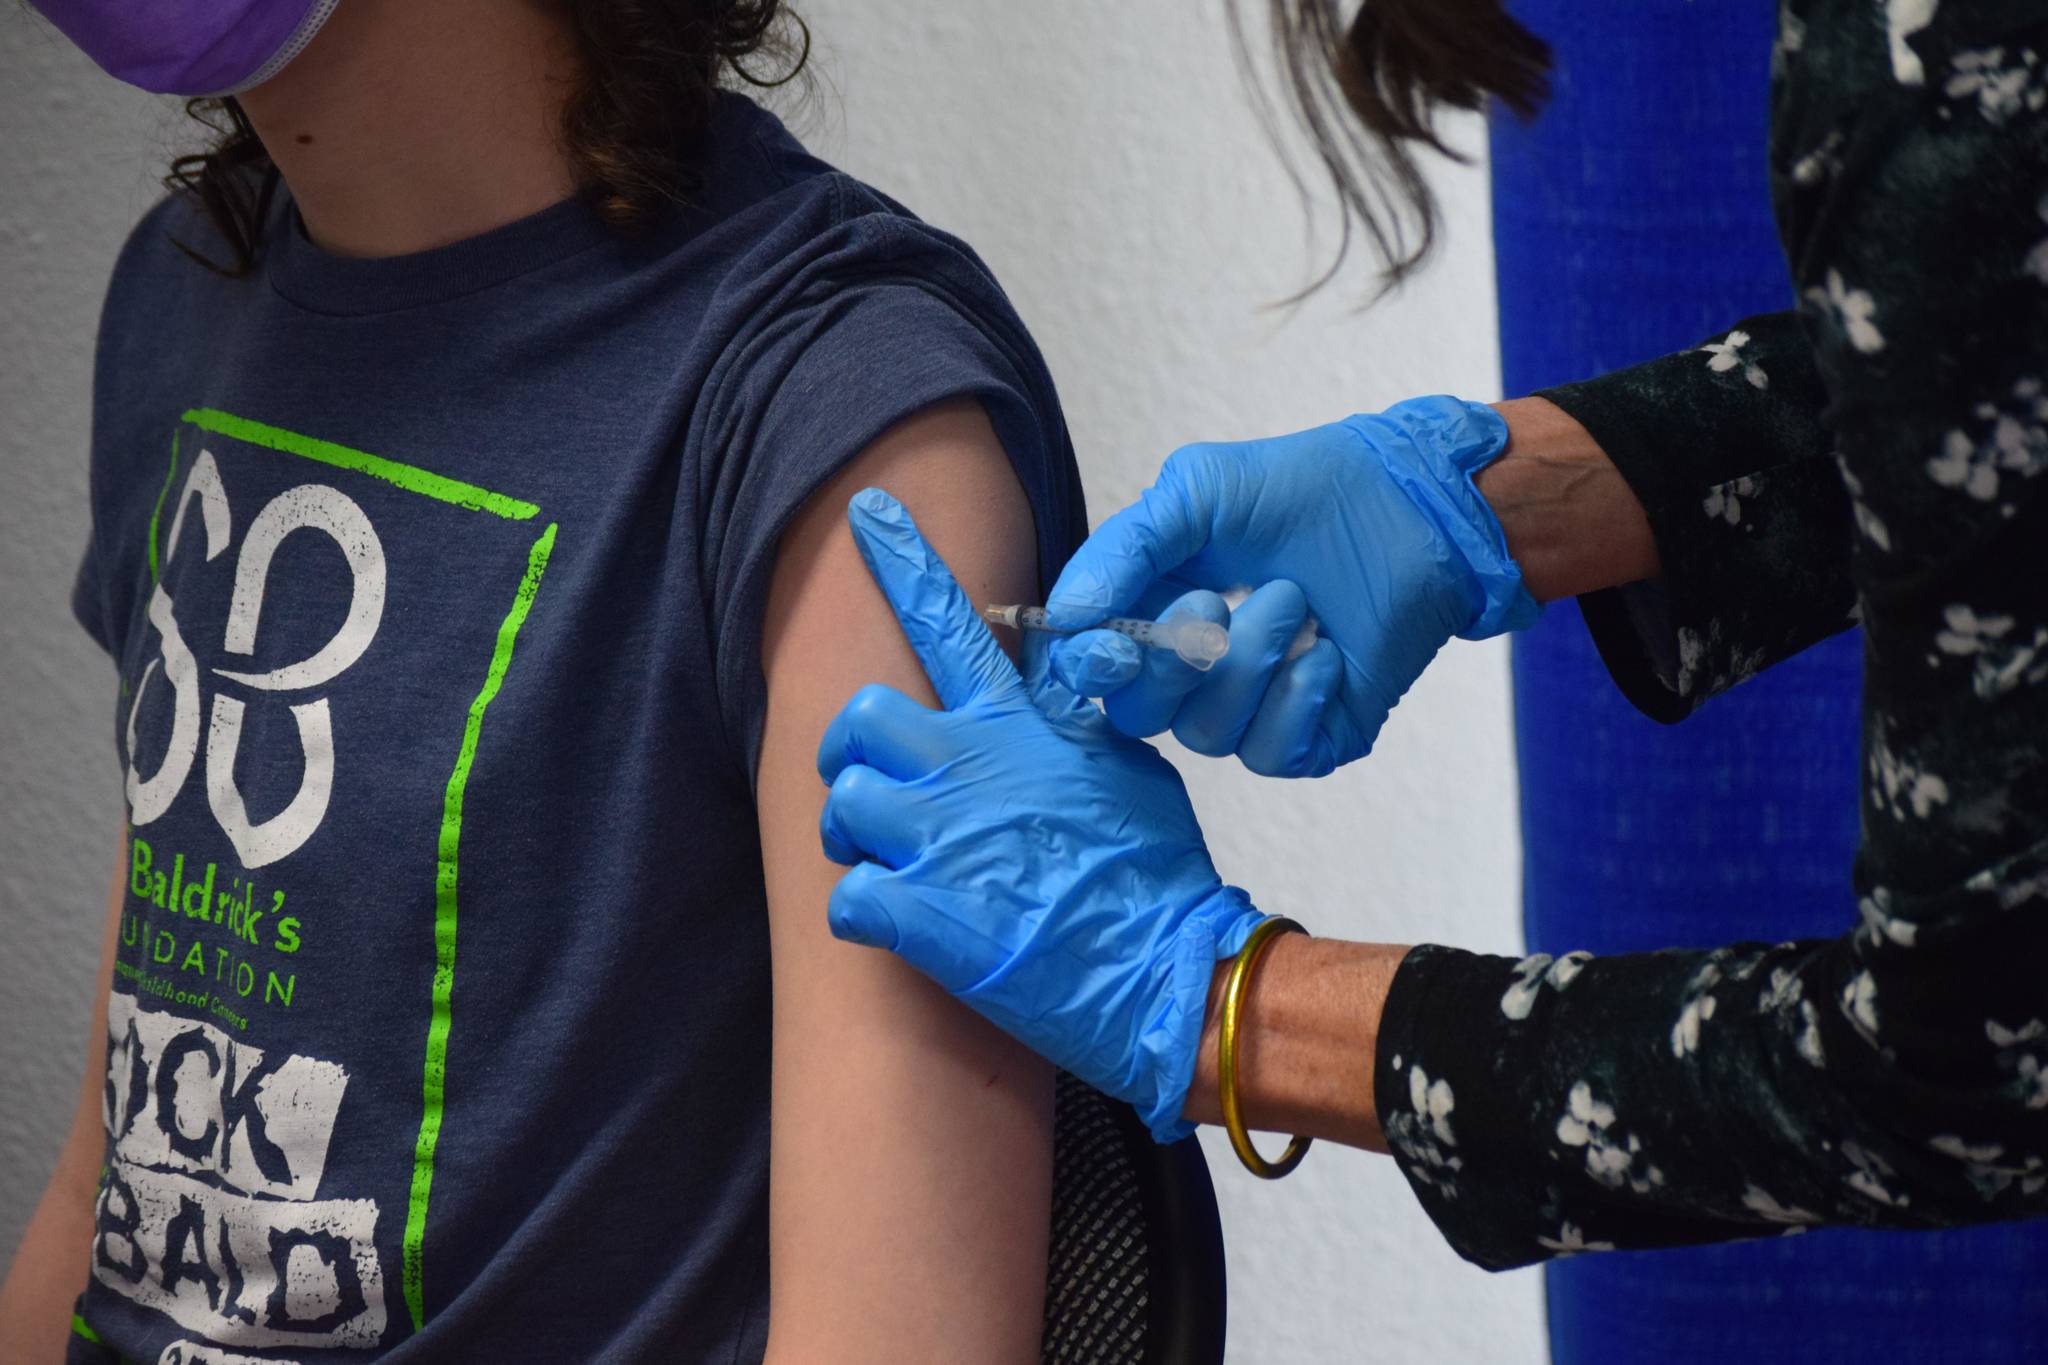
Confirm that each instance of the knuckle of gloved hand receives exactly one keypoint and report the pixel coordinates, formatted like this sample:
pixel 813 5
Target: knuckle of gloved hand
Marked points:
pixel 1270 760
pixel 844 912
pixel 870 704
pixel 831 820
pixel 837 847
pixel 1069 657
pixel 1126 720
pixel 1188 465
pixel 1265 650
pixel 1204 738
pixel 1141 707
pixel 1105 664
pixel 853 788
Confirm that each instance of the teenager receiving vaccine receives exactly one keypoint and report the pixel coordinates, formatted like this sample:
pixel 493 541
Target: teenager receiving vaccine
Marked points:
pixel 472 437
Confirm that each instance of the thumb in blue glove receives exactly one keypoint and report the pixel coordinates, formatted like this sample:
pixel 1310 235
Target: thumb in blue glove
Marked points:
pixel 1377 529
pixel 1043 868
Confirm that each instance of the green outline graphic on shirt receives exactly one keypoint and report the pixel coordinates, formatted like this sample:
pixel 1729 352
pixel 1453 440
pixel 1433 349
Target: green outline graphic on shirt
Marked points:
pixel 170 477
pixel 436 1073
pixel 413 479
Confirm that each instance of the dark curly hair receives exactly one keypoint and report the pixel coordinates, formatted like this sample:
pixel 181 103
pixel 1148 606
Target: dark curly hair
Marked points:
pixel 1367 93
pixel 633 126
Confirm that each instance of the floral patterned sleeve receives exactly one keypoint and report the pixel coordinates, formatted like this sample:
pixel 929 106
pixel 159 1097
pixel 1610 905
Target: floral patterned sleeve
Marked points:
pixel 1898 1075
pixel 1723 446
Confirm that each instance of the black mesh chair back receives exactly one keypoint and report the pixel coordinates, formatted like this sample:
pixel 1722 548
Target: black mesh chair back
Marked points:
pixel 1136 1270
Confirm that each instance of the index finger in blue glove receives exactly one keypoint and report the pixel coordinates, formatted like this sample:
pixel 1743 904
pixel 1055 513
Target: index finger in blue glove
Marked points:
pixel 959 655
pixel 1114 566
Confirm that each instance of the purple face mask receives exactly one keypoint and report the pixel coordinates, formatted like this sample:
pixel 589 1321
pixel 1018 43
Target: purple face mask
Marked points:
pixel 190 47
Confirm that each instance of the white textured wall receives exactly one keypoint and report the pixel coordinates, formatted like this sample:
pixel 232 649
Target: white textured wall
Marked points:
pixel 1104 161
pixel 76 160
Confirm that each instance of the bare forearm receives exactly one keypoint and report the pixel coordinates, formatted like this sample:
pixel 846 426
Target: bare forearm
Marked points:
pixel 50 1266
pixel 1309 1034
pixel 1572 523
pixel 49 1270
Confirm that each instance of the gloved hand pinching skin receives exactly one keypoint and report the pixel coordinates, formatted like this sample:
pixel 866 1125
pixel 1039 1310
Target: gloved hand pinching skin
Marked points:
pixel 1043 868
pixel 1372 524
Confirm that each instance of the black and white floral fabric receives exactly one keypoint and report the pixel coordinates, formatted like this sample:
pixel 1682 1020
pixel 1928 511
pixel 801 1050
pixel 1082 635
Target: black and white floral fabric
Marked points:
pixel 1877 454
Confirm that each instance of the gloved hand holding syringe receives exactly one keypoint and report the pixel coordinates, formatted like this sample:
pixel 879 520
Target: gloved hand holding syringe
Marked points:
pixel 1199 643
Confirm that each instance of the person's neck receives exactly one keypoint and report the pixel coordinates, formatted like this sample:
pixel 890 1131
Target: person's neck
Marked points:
pixel 410 124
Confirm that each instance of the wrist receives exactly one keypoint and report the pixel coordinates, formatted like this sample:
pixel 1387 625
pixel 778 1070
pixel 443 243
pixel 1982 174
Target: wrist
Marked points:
pixel 1306 1043
pixel 1569 517
pixel 1439 447
pixel 1156 1078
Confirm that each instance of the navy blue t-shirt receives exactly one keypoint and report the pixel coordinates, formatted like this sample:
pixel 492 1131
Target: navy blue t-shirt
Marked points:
pixel 440 1018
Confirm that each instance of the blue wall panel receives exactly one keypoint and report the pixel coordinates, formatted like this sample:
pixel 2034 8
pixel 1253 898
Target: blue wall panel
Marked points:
pixel 1632 219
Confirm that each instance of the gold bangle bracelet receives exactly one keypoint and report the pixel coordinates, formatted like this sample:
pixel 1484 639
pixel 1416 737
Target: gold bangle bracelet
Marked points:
pixel 1234 992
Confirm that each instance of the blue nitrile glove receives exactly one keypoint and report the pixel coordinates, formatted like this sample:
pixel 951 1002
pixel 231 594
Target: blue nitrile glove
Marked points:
pixel 1373 520
pixel 1015 848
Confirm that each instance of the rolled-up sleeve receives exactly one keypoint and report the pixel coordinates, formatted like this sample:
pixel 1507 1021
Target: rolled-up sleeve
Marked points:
pixel 1723 446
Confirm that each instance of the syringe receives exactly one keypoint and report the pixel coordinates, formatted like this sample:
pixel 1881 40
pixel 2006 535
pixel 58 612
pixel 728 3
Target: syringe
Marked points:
pixel 1199 643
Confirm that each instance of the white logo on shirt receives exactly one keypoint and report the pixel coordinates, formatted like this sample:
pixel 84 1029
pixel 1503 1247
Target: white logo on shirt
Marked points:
pixel 315 507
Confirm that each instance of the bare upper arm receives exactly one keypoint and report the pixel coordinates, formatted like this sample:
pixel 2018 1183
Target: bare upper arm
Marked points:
pixel 50 1266
pixel 910 1176
pixel 85 1145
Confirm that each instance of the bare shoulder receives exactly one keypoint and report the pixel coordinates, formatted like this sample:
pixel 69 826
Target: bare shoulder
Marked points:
pixel 946 465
